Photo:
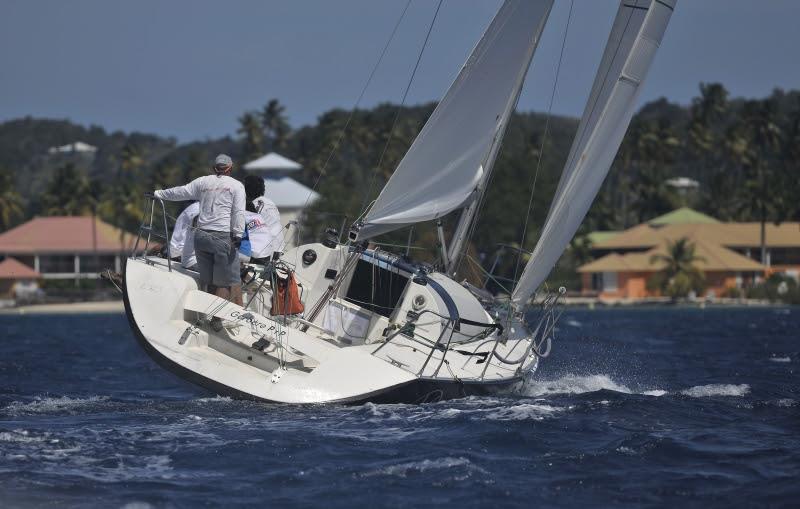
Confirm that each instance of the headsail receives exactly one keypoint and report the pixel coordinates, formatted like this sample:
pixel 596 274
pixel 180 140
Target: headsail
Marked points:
pixel 636 34
pixel 444 165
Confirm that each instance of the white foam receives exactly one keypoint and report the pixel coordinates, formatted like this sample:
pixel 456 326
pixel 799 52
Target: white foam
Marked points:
pixel 522 412
pixel 574 323
pixel 51 405
pixel 705 391
pixel 426 465
pixel 657 393
pixel 573 384
pixel 781 359
pixel 786 402
pixel 20 436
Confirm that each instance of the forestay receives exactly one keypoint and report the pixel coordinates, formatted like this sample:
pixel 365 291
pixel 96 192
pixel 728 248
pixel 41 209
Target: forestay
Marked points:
pixel 636 34
pixel 441 170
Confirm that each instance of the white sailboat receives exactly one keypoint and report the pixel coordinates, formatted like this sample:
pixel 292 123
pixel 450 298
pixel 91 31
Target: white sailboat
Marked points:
pixel 376 326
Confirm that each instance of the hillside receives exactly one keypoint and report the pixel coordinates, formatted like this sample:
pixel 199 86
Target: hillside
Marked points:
pixel 743 153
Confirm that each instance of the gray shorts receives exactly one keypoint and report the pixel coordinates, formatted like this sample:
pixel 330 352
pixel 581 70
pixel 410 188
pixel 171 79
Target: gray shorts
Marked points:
pixel 217 258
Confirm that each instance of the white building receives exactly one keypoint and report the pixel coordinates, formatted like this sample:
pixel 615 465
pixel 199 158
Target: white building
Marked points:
pixel 78 147
pixel 289 195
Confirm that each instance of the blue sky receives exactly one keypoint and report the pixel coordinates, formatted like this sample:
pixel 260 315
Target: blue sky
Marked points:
pixel 189 68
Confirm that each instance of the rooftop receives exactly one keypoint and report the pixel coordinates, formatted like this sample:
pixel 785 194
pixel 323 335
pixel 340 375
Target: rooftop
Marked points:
pixel 683 215
pixel 65 234
pixel 78 146
pixel 713 257
pixel 289 193
pixel 14 269
pixel 272 161
pixel 726 234
pixel 685 222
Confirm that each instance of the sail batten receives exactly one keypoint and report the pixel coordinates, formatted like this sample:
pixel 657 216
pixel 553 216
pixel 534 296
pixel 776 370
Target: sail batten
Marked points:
pixel 635 37
pixel 444 166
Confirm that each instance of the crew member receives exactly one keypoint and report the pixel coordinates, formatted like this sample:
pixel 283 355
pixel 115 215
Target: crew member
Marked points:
pixel 263 221
pixel 182 241
pixel 220 226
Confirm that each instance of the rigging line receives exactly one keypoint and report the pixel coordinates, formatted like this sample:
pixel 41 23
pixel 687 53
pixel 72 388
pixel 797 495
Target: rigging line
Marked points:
pixel 397 113
pixel 542 145
pixel 605 77
pixel 338 141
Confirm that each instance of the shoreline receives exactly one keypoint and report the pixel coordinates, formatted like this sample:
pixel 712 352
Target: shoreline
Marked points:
pixel 67 308
pixel 117 307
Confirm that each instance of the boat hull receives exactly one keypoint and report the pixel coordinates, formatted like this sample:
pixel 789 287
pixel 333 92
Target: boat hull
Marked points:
pixel 159 305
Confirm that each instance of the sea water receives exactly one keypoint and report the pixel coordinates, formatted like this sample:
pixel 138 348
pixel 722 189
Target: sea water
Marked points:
pixel 635 407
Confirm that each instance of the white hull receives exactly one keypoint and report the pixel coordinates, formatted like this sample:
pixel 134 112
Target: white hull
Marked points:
pixel 169 316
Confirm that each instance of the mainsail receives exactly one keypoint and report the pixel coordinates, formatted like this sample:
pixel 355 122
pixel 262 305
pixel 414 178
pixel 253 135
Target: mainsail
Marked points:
pixel 445 164
pixel 636 35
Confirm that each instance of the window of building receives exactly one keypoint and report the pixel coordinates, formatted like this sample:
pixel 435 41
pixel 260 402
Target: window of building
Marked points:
pixel 55 264
pixel 609 281
pixel 785 256
pixel 91 264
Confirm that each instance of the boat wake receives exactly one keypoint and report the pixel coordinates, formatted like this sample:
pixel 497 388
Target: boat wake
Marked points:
pixel 52 405
pixel 572 384
pixel 705 391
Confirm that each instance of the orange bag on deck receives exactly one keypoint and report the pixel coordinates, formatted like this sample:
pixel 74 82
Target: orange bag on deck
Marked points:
pixel 286 297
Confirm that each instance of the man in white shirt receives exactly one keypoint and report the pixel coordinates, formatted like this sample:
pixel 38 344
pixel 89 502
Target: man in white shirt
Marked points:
pixel 220 227
pixel 182 241
pixel 263 220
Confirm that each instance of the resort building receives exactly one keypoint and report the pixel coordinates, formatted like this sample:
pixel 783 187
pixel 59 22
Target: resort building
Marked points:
pixel 17 282
pixel 65 247
pixel 290 196
pixel 730 254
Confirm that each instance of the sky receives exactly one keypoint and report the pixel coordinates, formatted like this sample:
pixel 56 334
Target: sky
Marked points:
pixel 190 68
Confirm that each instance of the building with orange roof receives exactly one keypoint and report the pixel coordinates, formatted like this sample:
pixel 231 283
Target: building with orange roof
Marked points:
pixel 730 254
pixel 66 247
pixel 17 279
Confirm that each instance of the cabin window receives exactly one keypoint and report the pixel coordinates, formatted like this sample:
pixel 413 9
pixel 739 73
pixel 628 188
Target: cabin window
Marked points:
pixel 376 288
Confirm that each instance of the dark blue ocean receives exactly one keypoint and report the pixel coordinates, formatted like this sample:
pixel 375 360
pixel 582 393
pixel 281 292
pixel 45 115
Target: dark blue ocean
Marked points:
pixel 635 407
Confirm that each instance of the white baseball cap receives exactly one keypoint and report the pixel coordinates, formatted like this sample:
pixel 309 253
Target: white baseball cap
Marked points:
pixel 223 160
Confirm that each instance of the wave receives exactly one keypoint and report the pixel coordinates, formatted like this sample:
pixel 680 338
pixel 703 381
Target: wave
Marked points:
pixel 705 391
pixel 51 405
pixel 581 384
pixel 781 359
pixel 21 436
pixel 525 411
pixel 572 384
pixel 462 465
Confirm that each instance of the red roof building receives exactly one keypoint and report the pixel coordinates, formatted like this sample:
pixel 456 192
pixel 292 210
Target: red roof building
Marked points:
pixel 67 247
pixel 13 269
pixel 12 273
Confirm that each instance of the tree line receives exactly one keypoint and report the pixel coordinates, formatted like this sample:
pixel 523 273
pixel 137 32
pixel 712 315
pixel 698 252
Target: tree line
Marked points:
pixel 744 153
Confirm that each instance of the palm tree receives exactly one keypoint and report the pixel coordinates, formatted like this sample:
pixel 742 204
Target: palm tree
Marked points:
pixel 10 200
pixel 656 149
pixel 758 200
pixel 276 127
pixel 252 136
pixel 790 183
pixel 680 275
pixel 705 110
pixel 68 193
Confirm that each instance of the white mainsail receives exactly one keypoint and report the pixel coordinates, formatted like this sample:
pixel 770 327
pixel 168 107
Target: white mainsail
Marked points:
pixel 636 35
pixel 444 165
